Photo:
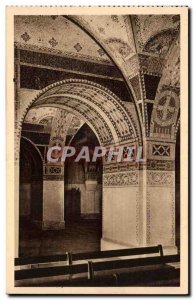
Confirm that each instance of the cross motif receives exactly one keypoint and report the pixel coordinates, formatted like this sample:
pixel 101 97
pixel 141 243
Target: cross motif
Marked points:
pixel 166 108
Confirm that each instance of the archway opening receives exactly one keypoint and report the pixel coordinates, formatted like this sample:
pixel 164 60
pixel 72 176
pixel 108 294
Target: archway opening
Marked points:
pixel 83 186
pixel 106 122
pixel 30 193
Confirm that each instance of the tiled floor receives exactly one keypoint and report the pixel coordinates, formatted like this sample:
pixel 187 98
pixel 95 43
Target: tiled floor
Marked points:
pixel 77 237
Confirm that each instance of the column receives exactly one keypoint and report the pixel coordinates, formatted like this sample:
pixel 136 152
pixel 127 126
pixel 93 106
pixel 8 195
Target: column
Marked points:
pixel 157 206
pixel 53 197
pixel 91 210
pixel 120 208
pixel 139 201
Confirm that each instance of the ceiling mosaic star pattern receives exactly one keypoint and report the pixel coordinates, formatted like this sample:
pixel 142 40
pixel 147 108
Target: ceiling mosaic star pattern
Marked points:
pixel 56 34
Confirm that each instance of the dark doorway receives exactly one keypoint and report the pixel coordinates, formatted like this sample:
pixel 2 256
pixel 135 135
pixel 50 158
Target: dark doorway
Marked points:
pixel 31 182
pixel 72 205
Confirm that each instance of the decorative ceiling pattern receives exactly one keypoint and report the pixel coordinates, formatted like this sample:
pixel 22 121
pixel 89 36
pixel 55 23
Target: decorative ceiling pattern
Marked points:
pixel 122 36
pixel 153 31
pixel 138 44
pixel 39 114
pixel 114 31
pixel 56 35
pixel 74 126
pixel 60 125
pixel 99 107
pixel 171 71
pixel 160 43
pixel 64 124
pixel 50 117
pixel 165 115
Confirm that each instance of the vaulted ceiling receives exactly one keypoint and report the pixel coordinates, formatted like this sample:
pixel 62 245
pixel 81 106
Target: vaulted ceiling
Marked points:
pixel 137 44
pixel 131 34
pixel 58 35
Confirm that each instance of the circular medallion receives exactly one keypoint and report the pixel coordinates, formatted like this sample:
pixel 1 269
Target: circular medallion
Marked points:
pixel 166 108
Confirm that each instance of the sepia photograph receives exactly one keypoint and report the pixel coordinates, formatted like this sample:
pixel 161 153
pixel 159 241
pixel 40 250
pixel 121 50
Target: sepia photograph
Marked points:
pixel 97 150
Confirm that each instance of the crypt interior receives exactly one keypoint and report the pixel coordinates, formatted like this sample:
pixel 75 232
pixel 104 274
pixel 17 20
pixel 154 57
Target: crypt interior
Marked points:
pixel 97 81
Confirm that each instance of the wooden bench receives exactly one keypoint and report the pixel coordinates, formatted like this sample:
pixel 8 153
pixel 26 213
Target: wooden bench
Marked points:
pixel 135 277
pixel 116 278
pixel 69 257
pixel 91 267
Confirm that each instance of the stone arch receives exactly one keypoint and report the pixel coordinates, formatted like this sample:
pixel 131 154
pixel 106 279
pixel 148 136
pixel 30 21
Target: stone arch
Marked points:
pixel 102 109
pixel 37 115
pixel 33 146
pixel 31 189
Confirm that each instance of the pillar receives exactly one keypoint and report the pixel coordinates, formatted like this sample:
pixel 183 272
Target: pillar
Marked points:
pixel 120 209
pixel 157 209
pixel 92 207
pixel 139 203
pixel 53 197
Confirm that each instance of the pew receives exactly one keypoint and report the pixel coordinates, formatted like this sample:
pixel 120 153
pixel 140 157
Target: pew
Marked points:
pixel 90 268
pixel 69 257
pixel 152 277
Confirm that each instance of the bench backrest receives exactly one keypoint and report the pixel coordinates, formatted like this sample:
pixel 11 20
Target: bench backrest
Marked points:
pixel 91 267
pixel 70 257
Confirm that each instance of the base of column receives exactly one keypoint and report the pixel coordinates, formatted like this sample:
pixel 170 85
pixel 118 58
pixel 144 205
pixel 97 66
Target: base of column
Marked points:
pixel 171 250
pixel 90 216
pixel 50 225
pixel 110 245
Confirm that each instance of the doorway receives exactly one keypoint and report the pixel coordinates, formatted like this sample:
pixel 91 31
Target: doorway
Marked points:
pixel 72 205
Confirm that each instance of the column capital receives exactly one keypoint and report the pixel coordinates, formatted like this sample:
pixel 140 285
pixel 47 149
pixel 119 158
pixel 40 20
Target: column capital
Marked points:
pixel 53 172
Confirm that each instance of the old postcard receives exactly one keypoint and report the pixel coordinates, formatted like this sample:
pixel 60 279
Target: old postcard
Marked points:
pixel 97 150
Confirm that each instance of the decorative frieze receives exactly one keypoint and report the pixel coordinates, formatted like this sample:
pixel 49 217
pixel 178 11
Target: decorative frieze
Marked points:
pixel 160 178
pixel 119 167
pixel 162 165
pixel 53 172
pixel 121 179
